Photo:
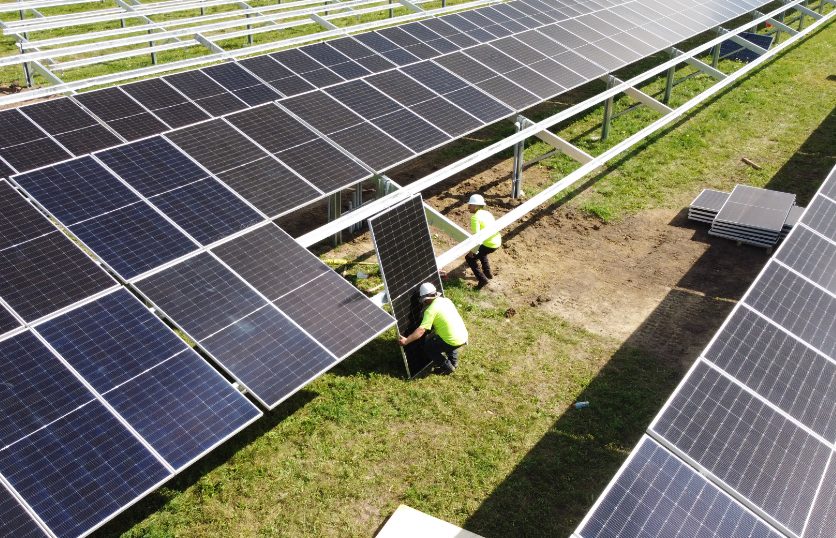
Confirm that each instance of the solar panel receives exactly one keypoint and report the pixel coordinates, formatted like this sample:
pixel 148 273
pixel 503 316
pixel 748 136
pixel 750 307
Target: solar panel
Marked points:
pixel 200 295
pixel 405 252
pixel 372 146
pixel 207 210
pixel 322 112
pixel 19 220
pixel 813 257
pixel 821 217
pixel 277 75
pixel 269 186
pixel 162 388
pixel 335 313
pixel 216 145
pixel 446 116
pixel 46 274
pixel 241 83
pixel 401 88
pixel 780 368
pixel 760 454
pixel 165 102
pixel 411 131
pixel 121 113
pixel 7 321
pixel 822 521
pixel 273 128
pixel 313 72
pixel 208 94
pixel 74 128
pixel 364 99
pixel 57 420
pixel 798 306
pixel 271 261
pixel 269 355
pixel 655 495
pixel 324 166
pixel 24 146
pixel 133 239
pixel 14 519
pixel 152 166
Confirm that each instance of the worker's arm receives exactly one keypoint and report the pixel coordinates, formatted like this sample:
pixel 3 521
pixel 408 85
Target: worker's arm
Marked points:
pixel 417 334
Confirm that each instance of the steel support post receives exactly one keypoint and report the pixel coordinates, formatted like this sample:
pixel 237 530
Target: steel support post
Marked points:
pixel 715 56
pixel 669 83
pixel 519 150
pixel 356 202
pixel 608 106
pixel 391 10
pixel 335 209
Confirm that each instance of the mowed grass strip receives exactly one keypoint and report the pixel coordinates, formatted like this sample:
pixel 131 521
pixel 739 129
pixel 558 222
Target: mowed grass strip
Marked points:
pixel 337 458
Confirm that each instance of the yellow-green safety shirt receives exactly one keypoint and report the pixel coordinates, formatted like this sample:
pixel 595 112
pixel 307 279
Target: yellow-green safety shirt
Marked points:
pixel 481 220
pixel 442 317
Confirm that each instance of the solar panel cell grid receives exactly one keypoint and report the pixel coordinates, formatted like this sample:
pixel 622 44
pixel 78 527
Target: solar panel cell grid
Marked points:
pixel 812 256
pixel 364 99
pixel 19 220
pixel 59 116
pixel 321 111
pixel 243 84
pixel 324 166
pixel 200 295
pixel 152 166
pixel 273 128
pixel 34 154
pixel 411 130
pixel 335 313
pixel 271 261
pixel 88 140
pixel 216 145
pixel 821 217
pixel 17 129
pixel 800 307
pixel 479 104
pixel 270 186
pixel 446 116
pixel 763 456
pixel 112 104
pixel 46 274
pixel 206 210
pixel 7 321
pixel 269 355
pixel 207 93
pixel 779 368
pixel 109 466
pixel 14 520
pixel 133 239
pixel 657 495
pixel 372 146
pixel 823 516
pixel 509 93
pixel 76 190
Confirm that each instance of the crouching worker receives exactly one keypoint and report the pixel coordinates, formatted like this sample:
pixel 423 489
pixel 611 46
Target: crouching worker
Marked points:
pixel 448 330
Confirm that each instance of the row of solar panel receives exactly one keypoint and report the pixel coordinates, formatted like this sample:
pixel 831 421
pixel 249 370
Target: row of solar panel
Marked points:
pixel 756 414
pixel 512 65
pixel 298 319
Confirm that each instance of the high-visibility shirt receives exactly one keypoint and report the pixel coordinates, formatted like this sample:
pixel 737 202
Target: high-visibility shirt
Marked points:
pixel 483 219
pixel 442 317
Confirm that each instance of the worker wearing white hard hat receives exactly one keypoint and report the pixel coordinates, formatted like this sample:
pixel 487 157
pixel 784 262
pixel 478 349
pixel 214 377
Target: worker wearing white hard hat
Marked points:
pixel 480 219
pixel 448 330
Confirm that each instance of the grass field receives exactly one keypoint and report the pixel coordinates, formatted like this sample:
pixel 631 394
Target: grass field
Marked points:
pixel 498 447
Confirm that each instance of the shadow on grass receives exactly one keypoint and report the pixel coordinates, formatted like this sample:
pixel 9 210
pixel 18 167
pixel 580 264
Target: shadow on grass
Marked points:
pixel 556 483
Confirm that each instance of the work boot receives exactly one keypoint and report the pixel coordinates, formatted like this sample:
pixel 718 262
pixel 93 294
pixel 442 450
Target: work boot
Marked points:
pixel 482 284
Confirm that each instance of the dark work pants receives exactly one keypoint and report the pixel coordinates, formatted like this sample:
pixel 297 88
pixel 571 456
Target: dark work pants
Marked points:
pixel 436 349
pixel 481 256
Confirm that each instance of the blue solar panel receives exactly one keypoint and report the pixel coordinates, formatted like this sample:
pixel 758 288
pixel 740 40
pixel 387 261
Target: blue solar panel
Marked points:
pixel 269 354
pixel 70 459
pixel 7 321
pixel 36 389
pixel 133 239
pixel 152 166
pixel 80 470
pixel 165 391
pixel 76 190
pixel 207 210
pixel 201 295
pixel 14 520
pixel 19 221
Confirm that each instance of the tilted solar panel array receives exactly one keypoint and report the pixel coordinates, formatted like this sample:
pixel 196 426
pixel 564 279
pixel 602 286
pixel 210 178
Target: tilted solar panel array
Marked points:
pixel 101 401
pixel 404 248
pixel 746 445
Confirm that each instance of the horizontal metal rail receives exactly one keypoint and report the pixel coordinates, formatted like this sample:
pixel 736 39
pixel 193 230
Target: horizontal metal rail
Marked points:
pixel 450 170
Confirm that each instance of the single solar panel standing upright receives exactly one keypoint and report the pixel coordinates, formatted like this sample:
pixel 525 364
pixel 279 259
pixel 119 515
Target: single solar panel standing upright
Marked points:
pixel 404 248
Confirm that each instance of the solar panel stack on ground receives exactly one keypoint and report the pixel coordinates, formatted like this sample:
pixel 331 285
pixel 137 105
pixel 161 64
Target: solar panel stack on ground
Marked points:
pixel 753 216
pixel 746 445
pixel 706 205
pixel 436 80
pixel 405 251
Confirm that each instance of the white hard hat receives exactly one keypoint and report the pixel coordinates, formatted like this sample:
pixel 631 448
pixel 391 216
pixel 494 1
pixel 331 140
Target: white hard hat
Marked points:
pixel 476 199
pixel 426 290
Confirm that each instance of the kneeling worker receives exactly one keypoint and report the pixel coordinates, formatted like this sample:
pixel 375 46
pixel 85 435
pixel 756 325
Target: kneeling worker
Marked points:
pixel 448 330
pixel 480 220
